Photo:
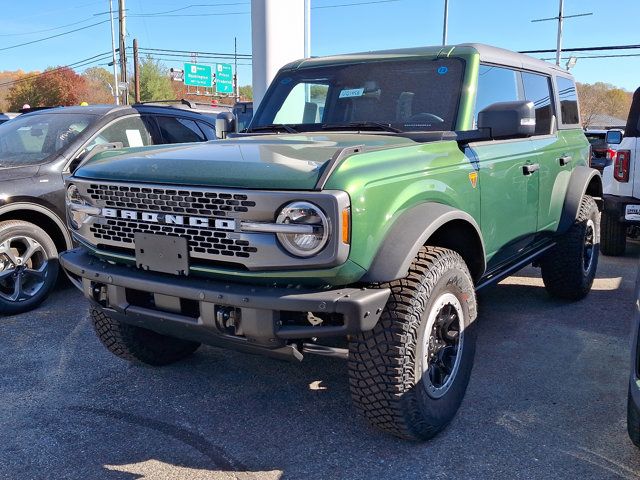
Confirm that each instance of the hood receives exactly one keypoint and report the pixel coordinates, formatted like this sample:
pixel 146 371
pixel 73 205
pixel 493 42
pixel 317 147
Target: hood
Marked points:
pixel 292 162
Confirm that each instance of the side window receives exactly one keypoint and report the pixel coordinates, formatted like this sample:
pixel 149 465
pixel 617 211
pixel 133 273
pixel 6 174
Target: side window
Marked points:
pixel 208 130
pixel 495 84
pixel 131 131
pixel 537 89
pixel 568 101
pixel 179 130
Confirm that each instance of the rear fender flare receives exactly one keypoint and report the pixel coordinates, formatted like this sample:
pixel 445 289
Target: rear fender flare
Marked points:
pixel 584 180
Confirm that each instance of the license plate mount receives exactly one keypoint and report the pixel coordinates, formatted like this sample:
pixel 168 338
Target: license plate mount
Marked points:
pixel 162 253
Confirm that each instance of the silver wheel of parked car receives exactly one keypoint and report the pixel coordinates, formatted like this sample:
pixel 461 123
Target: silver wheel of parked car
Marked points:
pixel 28 266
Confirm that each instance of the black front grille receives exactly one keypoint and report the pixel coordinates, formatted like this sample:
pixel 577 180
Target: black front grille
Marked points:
pixel 178 201
pixel 200 240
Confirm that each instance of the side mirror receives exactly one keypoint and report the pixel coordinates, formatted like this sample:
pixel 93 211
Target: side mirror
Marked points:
pixel 86 155
pixel 613 137
pixel 225 124
pixel 509 119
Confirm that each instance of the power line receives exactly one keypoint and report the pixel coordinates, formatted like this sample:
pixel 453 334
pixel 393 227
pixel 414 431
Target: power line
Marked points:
pixel 222 14
pixel 52 36
pixel 372 2
pixel 600 56
pixel 45 30
pixel 80 63
pixel 195 6
pixel 586 49
pixel 199 54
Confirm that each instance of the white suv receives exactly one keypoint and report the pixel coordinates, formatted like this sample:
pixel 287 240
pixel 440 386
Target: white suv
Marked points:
pixel 621 185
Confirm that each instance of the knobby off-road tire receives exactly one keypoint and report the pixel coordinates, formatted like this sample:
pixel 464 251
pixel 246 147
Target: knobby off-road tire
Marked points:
pixel 397 373
pixel 136 344
pixel 28 266
pixel 569 268
pixel 633 421
pixel 613 241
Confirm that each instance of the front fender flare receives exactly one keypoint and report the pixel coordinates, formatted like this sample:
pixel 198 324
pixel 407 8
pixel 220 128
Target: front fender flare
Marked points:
pixel 581 178
pixel 409 233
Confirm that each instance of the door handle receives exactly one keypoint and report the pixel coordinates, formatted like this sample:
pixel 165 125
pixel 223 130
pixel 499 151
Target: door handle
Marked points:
pixel 529 168
pixel 565 160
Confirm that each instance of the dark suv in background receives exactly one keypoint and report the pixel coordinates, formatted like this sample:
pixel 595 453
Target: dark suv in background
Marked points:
pixel 37 150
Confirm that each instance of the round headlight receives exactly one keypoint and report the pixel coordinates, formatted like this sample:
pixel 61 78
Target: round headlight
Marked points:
pixel 313 234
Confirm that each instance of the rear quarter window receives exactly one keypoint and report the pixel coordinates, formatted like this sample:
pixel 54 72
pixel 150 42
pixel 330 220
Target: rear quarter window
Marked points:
pixel 568 101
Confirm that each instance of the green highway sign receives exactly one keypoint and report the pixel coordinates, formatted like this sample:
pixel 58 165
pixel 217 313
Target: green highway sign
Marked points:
pixel 197 75
pixel 224 78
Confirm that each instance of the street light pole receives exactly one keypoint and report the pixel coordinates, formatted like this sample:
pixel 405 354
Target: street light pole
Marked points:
pixel 446 22
pixel 113 52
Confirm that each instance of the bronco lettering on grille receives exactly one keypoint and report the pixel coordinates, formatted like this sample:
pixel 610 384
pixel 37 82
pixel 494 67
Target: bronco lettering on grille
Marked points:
pixel 170 219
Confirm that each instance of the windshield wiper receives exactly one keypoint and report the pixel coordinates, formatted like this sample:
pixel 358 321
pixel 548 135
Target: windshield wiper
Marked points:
pixel 272 126
pixel 379 125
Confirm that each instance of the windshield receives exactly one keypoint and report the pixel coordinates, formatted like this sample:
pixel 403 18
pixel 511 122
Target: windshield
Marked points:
pixel 407 95
pixel 31 139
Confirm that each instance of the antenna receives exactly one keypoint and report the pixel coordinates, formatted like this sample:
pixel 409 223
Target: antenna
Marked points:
pixel 560 18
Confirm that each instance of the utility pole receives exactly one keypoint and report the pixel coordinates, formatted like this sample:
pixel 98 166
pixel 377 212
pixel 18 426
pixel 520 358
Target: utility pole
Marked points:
pixel 136 71
pixel 114 90
pixel 559 41
pixel 235 69
pixel 560 18
pixel 122 18
pixel 445 22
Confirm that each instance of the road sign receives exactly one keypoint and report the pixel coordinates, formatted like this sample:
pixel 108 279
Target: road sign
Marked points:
pixel 197 75
pixel 224 78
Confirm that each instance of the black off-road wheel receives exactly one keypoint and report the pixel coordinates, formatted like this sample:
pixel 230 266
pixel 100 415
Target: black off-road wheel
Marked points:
pixel 569 268
pixel 409 374
pixel 633 421
pixel 28 266
pixel 613 241
pixel 136 344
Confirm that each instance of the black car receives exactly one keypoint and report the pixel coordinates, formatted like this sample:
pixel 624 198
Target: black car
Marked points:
pixel 37 150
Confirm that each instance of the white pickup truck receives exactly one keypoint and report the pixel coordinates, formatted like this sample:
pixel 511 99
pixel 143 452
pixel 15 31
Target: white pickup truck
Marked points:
pixel 621 185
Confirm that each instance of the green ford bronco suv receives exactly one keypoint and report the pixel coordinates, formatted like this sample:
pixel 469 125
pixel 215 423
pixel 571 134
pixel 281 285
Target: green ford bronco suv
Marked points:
pixel 370 197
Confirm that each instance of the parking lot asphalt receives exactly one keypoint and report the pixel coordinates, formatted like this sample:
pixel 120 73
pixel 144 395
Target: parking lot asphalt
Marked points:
pixel 547 399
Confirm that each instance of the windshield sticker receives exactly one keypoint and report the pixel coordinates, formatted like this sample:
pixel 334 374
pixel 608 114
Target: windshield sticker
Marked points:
pixel 442 70
pixel 352 92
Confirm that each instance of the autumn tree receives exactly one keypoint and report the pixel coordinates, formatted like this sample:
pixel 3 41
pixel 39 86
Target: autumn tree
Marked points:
pixel 602 99
pixel 54 86
pixel 99 85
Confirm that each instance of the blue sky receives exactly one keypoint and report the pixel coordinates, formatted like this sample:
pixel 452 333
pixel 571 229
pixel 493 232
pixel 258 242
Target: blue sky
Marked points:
pixel 401 23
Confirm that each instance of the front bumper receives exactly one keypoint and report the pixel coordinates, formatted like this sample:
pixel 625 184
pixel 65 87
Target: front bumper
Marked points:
pixel 189 307
pixel 616 205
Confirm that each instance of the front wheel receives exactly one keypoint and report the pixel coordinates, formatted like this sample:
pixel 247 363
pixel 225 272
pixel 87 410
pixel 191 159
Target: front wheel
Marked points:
pixel 409 374
pixel 28 266
pixel 568 270
pixel 137 344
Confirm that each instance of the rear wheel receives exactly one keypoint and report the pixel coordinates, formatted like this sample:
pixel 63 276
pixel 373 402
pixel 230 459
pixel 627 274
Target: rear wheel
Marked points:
pixel 28 266
pixel 568 270
pixel 614 235
pixel 136 344
pixel 409 374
